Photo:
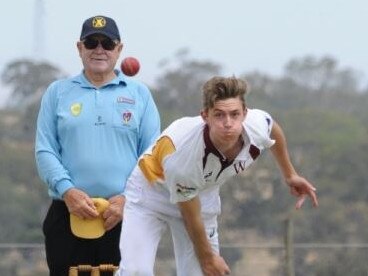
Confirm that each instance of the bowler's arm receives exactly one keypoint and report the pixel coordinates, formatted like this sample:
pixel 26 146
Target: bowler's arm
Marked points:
pixel 211 263
pixel 280 151
pixel 299 186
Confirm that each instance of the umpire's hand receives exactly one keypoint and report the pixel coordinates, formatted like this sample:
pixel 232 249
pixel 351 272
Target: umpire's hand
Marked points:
pixel 80 204
pixel 114 213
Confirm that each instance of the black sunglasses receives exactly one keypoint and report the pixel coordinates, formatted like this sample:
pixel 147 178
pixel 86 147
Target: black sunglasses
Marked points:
pixel 92 43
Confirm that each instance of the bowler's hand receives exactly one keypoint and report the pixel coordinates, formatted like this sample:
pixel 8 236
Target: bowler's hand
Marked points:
pixel 216 266
pixel 301 188
pixel 80 204
pixel 114 213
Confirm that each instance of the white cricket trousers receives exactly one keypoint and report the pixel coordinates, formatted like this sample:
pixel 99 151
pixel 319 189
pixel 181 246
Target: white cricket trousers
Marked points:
pixel 142 230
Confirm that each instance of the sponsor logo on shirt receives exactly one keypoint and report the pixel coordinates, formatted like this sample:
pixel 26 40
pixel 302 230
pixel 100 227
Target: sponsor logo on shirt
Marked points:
pixel 207 176
pixel 125 100
pixel 76 109
pixel 184 190
pixel 212 233
pixel 99 122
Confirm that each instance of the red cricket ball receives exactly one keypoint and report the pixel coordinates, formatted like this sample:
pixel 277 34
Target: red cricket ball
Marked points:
pixel 130 66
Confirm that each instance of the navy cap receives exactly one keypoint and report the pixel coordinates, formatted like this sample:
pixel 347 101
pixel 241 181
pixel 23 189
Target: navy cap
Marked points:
pixel 100 25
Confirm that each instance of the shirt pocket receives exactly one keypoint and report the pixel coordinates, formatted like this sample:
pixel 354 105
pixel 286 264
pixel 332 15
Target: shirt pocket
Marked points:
pixel 125 117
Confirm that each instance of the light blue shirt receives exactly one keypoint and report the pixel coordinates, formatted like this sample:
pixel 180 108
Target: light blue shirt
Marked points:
pixel 90 138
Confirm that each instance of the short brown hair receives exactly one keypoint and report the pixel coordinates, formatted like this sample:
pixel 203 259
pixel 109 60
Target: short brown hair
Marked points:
pixel 222 88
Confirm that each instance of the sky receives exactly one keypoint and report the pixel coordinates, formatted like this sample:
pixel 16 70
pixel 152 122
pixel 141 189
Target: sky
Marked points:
pixel 240 35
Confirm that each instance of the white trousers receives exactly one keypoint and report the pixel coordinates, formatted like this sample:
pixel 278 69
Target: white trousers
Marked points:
pixel 142 230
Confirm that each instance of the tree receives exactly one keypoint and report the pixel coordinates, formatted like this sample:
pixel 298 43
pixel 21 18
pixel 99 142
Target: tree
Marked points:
pixel 28 79
pixel 322 75
pixel 178 90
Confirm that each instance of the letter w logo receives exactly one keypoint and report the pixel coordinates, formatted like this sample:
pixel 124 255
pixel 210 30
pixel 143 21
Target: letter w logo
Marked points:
pixel 239 167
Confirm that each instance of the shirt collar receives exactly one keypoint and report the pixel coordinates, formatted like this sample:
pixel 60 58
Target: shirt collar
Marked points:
pixel 120 79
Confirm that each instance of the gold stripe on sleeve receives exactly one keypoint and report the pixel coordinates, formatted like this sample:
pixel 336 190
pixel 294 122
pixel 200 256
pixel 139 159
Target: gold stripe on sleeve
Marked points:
pixel 151 164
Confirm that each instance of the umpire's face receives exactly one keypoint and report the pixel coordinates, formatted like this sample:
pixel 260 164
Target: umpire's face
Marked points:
pixel 99 54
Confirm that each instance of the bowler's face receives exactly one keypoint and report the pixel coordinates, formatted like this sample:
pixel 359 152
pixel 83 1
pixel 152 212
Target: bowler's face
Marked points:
pixel 225 120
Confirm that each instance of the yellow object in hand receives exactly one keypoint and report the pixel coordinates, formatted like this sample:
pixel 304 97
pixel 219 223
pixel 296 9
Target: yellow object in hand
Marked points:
pixel 90 228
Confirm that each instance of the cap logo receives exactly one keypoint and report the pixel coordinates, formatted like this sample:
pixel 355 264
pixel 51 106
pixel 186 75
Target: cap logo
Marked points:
pixel 98 22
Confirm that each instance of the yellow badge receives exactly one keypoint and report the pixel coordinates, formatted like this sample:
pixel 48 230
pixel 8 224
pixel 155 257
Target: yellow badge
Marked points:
pixel 98 22
pixel 76 109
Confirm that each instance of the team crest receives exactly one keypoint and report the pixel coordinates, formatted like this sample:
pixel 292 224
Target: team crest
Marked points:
pixel 98 22
pixel 76 109
pixel 127 115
